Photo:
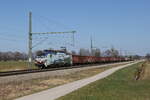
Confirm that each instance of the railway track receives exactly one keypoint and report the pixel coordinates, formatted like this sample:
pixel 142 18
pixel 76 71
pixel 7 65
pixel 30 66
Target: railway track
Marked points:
pixel 18 72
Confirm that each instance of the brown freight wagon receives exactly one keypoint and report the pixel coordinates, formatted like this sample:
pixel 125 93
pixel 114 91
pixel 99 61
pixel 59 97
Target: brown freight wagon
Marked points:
pixel 76 59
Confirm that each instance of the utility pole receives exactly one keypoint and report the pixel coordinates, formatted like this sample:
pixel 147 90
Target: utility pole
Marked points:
pixel 120 53
pixel 91 46
pixel 73 38
pixel 32 33
pixel 30 40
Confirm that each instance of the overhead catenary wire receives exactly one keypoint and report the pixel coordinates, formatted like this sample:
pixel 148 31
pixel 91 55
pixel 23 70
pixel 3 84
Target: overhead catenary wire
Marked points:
pixel 10 39
pixel 12 35
pixel 46 26
pixel 11 28
pixel 39 42
pixel 55 22
pixel 63 25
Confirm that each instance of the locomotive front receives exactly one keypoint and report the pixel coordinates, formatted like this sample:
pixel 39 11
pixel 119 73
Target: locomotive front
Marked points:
pixel 53 58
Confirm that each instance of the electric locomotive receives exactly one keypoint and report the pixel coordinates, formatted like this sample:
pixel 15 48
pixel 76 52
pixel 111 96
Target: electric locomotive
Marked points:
pixel 52 58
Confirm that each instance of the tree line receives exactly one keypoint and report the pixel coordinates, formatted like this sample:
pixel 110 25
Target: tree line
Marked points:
pixel 97 52
pixel 15 56
pixel 5 56
pixel 112 52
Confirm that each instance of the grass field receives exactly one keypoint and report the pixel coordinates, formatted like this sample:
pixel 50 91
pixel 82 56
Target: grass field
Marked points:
pixel 13 65
pixel 119 86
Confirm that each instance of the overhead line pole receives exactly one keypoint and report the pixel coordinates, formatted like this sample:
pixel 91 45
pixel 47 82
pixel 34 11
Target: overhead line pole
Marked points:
pixel 91 46
pixel 32 33
pixel 30 40
pixel 73 38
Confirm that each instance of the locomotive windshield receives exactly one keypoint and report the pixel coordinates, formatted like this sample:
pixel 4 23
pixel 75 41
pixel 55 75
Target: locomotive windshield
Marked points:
pixel 44 53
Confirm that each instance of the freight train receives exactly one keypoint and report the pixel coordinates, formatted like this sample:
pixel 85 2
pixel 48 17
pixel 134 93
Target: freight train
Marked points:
pixel 52 58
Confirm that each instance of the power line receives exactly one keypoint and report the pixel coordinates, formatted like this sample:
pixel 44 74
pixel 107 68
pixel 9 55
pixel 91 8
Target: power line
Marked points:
pixel 9 39
pixel 54 22
pixel 11 28
pixel 39 42
pixel 47 27
pixel 12 35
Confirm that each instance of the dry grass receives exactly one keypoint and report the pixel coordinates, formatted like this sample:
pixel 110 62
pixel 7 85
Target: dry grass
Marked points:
pixel 13 65
pixel 146 73
pixel 13 90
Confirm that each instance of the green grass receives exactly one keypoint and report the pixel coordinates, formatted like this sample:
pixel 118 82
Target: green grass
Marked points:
pixel 13 65
pixel 119 86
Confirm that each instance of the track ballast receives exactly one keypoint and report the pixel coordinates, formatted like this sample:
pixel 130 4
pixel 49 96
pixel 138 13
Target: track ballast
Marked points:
pixel 19 72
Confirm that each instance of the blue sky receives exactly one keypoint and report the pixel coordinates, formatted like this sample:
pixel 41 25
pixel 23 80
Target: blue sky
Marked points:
pixel 123 24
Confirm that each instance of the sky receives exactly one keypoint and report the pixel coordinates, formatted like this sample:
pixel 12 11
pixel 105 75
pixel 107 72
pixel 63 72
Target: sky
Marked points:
pixel 122 24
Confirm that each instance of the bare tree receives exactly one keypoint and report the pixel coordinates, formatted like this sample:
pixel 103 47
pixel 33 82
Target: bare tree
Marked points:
pixel 17 55
pixel 115 53
pixel 111 53
pixel 73 52
pixel 147 57
pixel 96 52
pixel 107 53
pixel 135 57
pixel 5 56
pixel 0 56
pixel 24 56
